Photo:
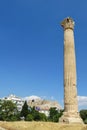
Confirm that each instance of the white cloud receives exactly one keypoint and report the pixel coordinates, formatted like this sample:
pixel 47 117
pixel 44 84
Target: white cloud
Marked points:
pixel 82 100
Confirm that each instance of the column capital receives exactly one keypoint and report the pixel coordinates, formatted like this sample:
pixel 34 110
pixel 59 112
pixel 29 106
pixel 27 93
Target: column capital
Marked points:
pixel 68 23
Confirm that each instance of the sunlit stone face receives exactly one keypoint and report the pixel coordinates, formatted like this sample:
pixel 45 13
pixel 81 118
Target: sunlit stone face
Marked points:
pixel 70 114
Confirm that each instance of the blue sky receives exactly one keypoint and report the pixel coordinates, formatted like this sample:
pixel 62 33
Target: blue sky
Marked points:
pixel 31 47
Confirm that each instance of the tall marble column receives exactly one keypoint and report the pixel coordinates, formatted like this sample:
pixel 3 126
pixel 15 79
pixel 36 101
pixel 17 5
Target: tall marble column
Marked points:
pixel 70 114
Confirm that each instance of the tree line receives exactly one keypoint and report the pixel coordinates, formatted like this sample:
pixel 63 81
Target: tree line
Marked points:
pixel 9 112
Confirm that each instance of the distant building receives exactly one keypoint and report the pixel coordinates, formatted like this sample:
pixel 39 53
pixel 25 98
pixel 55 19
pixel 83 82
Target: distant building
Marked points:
pixel 17 100
pixel 40 104
pixel 45 111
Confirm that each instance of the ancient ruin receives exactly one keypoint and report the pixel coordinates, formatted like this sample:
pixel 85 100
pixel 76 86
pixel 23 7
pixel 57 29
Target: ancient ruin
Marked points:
pixel 70 114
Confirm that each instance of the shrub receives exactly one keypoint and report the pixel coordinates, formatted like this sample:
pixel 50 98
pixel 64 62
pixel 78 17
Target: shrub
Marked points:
pixel 29 117
pixel 83 114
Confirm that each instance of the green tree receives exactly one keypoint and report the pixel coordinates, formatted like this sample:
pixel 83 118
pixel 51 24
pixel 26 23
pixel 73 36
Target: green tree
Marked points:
pixel 42 117
pixel 7 110
pixel 37 116
pixel 25 110
pixel 85 121
pixel 83 114
pixel 54 114
pixel 29 117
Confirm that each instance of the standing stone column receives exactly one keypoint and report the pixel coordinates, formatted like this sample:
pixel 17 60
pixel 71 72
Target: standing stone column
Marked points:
pixel 70 114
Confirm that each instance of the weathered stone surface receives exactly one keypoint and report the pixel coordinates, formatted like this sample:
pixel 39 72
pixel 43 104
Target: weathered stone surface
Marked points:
pixel 70 114
pixel 68 23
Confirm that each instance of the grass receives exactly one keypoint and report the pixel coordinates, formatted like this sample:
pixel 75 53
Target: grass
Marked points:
pixel 22 125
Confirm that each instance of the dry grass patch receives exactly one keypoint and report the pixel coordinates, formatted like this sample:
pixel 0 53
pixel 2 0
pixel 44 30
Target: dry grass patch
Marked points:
pixel 22 125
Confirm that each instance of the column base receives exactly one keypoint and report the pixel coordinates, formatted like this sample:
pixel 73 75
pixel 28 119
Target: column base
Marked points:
pixel 68 118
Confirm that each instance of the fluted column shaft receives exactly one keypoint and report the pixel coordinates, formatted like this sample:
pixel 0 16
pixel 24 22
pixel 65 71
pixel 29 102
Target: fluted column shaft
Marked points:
pixel 70 90
pixel 70 114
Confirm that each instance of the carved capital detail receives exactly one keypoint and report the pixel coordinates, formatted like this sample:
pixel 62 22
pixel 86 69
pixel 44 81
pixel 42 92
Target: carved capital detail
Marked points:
pixel 68 23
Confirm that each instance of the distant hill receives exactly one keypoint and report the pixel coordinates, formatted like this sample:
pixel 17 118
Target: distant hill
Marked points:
pixel 42 103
